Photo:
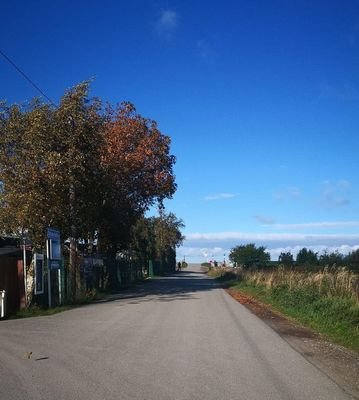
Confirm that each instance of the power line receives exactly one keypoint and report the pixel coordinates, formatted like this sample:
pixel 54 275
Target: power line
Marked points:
pixel 26 77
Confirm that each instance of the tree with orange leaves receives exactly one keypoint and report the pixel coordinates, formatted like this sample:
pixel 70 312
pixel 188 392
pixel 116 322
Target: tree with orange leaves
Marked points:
pixel 138 170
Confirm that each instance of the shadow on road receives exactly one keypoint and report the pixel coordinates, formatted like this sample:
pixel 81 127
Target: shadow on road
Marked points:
pixel 179 286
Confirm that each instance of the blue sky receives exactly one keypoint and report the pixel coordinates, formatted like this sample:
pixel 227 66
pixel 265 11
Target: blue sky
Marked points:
pixel 260 98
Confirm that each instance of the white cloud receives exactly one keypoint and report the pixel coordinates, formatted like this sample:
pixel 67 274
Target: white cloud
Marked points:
pixel 227 240
pixel 205 50
pixel 344 184
pixel 319 225
pixel 264 219
pixel 167 22
pixel 202 246
pixel 341 202
pixel 342 249
pixel 200 254
pixel 335 193
pixel 267 236
pixel 288 193
pixel 220 196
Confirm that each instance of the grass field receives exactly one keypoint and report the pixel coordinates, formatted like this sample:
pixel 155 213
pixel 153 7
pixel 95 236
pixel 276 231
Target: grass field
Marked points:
pixel 326 301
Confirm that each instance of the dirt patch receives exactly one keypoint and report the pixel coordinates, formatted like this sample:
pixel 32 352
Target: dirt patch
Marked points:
pixel 337 362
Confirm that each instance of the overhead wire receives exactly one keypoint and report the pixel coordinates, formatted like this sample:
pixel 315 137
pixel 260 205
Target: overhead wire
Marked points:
pixel 26 77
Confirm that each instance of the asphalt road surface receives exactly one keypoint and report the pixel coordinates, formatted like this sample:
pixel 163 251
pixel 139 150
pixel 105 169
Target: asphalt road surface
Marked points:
pixel 178 337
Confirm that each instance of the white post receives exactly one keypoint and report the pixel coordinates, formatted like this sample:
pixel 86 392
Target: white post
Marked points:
pixel 25 272
pixel 49 282
pixel 3 304
pixel 48 273
pixel 60 286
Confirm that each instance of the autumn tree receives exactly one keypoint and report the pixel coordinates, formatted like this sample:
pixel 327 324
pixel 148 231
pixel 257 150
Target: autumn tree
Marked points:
pixel 78 137
pixel 49 165
pixel 88 171
pixel 50 168
pixel 138 170
pixel 76 176
pixel 23 198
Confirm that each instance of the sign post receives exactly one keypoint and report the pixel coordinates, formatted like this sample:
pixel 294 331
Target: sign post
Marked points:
pixel 53 246
pixel 39 273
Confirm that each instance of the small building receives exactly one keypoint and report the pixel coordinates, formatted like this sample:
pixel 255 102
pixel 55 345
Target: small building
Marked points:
pixel 12 275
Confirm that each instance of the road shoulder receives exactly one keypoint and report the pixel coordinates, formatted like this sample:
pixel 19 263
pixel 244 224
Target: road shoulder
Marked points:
pixel 338 363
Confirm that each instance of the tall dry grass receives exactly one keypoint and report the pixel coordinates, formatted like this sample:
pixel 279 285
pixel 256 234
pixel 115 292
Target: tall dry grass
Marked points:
pixel 339 282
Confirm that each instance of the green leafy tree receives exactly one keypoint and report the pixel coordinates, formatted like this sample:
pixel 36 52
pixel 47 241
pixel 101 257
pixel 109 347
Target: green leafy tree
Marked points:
pixel 286 259
pixel 249 255
pixel 352 260
pixel 331 259
pixel 168 231
pixel 307 257
pixel 156 238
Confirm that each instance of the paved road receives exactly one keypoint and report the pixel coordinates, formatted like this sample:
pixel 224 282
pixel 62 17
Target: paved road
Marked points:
pixel 179 337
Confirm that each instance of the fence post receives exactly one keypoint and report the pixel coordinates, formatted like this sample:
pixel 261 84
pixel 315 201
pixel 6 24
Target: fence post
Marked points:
pixel 150 269
pixel 3 304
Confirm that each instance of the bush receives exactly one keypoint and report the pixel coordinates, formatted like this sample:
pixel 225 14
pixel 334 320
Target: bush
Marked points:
pixel 223 273
pixel 206 265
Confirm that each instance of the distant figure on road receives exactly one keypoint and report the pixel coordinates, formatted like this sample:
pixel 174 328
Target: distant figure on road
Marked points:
pixel 179 265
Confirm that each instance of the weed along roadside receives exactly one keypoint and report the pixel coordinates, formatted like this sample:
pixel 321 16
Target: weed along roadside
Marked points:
pixel 317 314
pixel 325 301
pixel 88 297
pixel 38 311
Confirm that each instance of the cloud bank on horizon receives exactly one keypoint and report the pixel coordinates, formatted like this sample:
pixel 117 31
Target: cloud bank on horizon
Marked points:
pixel 205 246
pixel 201 254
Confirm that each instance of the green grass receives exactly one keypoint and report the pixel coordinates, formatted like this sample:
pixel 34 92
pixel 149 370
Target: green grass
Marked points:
pixel 37 311
pixel 336 318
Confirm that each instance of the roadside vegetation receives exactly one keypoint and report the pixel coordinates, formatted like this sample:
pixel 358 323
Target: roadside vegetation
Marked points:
pixel 325 299
pixel 35 311
pixel 39 310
